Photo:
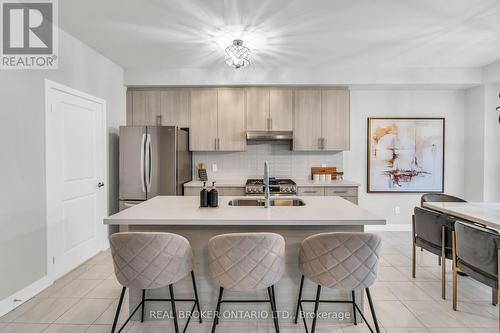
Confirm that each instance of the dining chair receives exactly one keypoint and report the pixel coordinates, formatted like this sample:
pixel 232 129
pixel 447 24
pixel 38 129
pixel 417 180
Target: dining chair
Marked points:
pixel 476 252
pixel 345 261
pixel 150 260
pixel 439 197
pixel 247 262
pixel 432 232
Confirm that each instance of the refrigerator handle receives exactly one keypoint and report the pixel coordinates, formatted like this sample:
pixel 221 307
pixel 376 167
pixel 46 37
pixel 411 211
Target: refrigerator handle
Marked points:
pixel 149 162
pixel 143 142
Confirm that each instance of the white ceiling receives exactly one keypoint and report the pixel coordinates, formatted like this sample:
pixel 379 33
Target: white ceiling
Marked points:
pixel 146 34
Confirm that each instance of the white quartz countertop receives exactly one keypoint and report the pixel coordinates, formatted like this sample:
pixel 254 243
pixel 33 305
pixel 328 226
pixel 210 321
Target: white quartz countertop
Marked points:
pixel 487 213
pixel 180 210
pixel 300 182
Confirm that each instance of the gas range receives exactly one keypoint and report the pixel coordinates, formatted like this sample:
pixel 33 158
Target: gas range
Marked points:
pixel 276 187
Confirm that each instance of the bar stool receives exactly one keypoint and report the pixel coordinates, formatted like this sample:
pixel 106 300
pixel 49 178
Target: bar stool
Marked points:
pixel 247 262
pixel 343 261
pixel 150 260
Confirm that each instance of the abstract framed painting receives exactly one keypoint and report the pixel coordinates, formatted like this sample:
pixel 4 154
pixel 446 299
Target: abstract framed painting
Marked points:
pixel 405 155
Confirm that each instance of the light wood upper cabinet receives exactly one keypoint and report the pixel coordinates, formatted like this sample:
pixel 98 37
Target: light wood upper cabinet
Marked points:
pixel 257 101
pixel 281 109
pixel 269 109
pixel 219 117
pixel 335 119
pixel 175 107
pixel 158 107
pixel 307 119
pixel 231 119
pixel 203 114
pixel 145 108
pixel 321 119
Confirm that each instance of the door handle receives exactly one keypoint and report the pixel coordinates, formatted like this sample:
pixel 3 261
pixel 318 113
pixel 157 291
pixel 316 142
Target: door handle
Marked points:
pixel 100 184
pixel 149 162
pixel 143 175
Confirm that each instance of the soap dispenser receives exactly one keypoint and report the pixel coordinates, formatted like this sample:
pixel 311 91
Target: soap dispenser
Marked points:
pixel 213 196
pixel 204 196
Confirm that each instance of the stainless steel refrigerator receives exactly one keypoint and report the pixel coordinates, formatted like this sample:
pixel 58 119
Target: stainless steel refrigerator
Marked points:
pixel 154 160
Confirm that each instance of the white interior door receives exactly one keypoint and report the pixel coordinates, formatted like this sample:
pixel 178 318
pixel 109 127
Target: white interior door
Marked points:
pixel 76 169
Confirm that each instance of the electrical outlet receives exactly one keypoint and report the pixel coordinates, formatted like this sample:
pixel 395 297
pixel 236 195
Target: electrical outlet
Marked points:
pixel 397 210
pixel 214 167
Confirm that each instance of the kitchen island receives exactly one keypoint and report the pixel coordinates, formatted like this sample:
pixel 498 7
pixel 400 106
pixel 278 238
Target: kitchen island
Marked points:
pixel 181 215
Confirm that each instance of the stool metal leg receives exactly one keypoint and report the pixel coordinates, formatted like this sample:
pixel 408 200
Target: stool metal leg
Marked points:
pixel 143 304
pixel 299 299
pixel 174 311
pixel 120 302
pixel 316 304
pixel 372 309
pixel 354 307
pixel 196 295
pixel 272 300
pixel 217 309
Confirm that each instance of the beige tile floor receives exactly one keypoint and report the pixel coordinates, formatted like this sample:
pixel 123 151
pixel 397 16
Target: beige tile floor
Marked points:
pixel 85 301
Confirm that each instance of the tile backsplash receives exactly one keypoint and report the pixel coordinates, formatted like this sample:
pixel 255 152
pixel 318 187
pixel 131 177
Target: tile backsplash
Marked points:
pixel 283 162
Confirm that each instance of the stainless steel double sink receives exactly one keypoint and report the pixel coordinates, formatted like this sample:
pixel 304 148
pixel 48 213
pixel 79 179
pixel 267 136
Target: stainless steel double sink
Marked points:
pixel 260 202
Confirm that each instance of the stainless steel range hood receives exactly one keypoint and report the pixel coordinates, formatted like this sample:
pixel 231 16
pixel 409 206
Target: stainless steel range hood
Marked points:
pixel 270 135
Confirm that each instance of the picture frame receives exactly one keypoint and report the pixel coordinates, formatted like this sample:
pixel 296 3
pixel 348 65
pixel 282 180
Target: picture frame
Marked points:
pixel 405 154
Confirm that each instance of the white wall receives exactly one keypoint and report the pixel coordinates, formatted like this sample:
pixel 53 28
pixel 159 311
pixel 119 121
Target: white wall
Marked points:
pixel 394 103
pixel 255 75
pixel 482 138
pixel 22 147
pixel 474 144
pixel 491 143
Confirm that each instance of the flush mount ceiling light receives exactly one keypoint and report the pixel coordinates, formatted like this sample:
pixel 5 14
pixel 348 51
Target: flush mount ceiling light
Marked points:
pixel 237 55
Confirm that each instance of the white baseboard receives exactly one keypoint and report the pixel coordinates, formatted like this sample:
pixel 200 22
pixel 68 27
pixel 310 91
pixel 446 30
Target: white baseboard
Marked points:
pixel 10 303
pixel 389 227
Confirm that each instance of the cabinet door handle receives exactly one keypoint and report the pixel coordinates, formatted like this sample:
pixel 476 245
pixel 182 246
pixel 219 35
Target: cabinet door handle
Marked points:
pixel 319 143
pixel 215 144
pixel 158 120
pixel 271 123
pixel 218 143
pixel 310 191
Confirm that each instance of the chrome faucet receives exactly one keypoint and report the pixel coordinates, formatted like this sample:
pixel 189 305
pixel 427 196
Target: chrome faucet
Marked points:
pixel 266 184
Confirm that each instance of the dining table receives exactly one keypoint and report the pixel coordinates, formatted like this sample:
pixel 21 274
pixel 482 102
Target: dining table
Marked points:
pixel 485 213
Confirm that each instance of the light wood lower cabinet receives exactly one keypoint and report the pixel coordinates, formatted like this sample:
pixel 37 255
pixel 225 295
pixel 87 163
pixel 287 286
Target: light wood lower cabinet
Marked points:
pixel 223 191
pixel 310 191
pixel 348 193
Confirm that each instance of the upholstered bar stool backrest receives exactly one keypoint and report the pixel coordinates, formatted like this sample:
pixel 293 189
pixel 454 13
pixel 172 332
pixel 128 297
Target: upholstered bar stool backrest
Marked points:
pixel 477 252
pixel 341 260
pixel 428 229
pixel 439 197
pixel 246 261
pixel 148 260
